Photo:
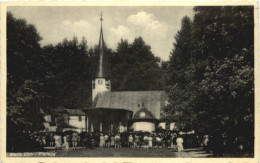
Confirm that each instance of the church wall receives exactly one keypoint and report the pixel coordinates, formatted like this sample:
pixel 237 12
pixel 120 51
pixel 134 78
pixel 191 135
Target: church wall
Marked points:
pixel 76 122
pixel 172 126
pixel 144 126
pixel 49 128
pixel 162 124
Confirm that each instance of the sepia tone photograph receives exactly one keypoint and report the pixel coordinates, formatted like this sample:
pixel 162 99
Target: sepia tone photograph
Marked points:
pixel 130 81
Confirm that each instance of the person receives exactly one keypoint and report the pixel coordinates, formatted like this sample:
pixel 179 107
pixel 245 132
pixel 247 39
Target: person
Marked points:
pixel 137 141
pixel 96 139
pixel 146 141
pixel 150 141
pixel 112 143
pixel 163 137
pixel 154 140
pixel 130 141
pixel 78 141
pixel 123 139
pixel 168 140
pixel 84 140
pixel 57 139
pixel 74 140
pixel 47 138
pixel 52 140
pixel 44 140
pixel 174 138
pixel 68 139
pixel 89 140
pixel 102 141
pixel 205 143
pixel 106 140
pixel 66 143
pixel 92 138
pixel 159 141
pixel 117 141
pixel 179 142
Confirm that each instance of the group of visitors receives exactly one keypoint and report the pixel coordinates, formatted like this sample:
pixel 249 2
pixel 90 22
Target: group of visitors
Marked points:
pixel 136 140
pixel 144 140
pixel 73 140
pixel 218 144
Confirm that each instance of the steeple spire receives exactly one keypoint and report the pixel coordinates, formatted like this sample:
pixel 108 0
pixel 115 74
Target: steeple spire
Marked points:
pixel 102 69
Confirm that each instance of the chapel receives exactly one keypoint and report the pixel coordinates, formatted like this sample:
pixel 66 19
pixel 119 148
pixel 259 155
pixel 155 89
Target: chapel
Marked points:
pixel 120 110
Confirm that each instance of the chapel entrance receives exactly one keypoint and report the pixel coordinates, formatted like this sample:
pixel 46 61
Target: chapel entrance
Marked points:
pixel 108 120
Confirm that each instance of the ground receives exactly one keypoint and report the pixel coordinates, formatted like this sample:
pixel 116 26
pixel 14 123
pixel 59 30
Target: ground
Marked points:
pixel 123 152
pixel 126 152
pixel 112 152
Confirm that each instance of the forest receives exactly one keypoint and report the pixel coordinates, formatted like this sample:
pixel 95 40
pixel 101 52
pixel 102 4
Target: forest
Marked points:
pixel 209 78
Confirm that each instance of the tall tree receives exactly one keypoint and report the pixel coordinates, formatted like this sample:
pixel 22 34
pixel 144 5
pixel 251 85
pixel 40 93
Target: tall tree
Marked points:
pixel 70 68
pixel 180 79
pixel 134 67
pixel 221 73
pixel 25 87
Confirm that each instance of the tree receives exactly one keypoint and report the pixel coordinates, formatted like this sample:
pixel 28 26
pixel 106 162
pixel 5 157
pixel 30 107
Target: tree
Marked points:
pixel 60 115
pixel 180 81
pixel 25 88
pixel 70 73
pixel 216 79
pixel 227 80
pixel 134 67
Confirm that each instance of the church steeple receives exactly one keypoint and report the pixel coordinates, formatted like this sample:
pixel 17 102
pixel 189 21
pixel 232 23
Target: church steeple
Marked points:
pixel 101 83
pixel 102 69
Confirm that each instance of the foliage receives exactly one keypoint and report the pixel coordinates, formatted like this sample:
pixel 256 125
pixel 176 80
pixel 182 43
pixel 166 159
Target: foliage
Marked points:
pixel 59 114
pixel 211 72
pixel 25 95
pixel 68 74
pixel 134 67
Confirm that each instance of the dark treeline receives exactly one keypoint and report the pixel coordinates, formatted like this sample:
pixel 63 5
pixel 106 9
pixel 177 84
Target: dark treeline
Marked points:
pixel 211 74
pixel 209 78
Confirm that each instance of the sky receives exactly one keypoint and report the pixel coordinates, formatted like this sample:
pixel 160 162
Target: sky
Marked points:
pixel 156 25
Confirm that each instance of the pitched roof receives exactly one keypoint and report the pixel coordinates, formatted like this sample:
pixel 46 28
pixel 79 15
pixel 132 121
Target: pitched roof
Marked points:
pixel 75 112
pixel 129 100
pixel 143 114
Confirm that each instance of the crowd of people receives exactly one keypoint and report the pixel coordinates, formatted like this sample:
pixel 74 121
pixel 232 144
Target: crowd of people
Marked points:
pixel 70 140
pixel 74 140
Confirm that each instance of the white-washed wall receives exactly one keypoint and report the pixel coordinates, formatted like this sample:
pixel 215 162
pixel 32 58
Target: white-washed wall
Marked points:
pixel 74 121
pixel 47 118
pixel 144 126
pixel 49 128
pixel 172 126
pixel 162 124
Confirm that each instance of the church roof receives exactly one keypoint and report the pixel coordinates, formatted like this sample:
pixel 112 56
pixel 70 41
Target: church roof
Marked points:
pixel 75 112
pixel 143 114
pixel 102 69
pixel 129 100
